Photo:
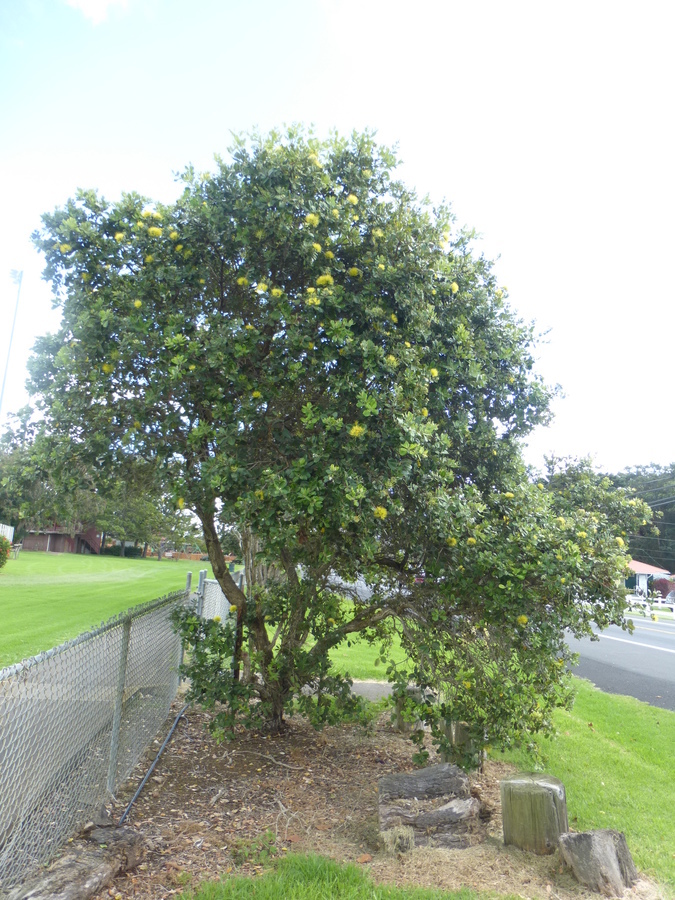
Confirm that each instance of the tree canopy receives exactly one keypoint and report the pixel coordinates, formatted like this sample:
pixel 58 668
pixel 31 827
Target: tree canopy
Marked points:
pixel 318 358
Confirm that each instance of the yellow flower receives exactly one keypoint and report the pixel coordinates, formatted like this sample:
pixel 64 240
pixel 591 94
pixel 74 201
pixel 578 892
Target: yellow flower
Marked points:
pixel 329 254
pixel 433 373
pixel 311 290
pixel 522 620
pixel 560 520
pixel 335 213
pixel 467 685
pixel 380 512
pixel 202 280
pixel 357 430
pixel 262 287
pixel 108 368
pixel 149 258
pixel 620 542
pixel 242 281
pixel 471 541
pixel 582 534
pixel 451 542
pixel 216 618
pixel 179 247
pixel 562 581
pixel 499 294
pixel 394 318
pixel 259 494
pixel 312 219
pixel 146 213
pixel 355 218
pixel 192 367
pixel 540 486
pixel 156 215
pixel 408 344
pixel 138 303
pixel 391 359
pixel 378 233
pixel 508 495
pixel 331 621
pixel 173 235
pixel 354 272
pixel 256 395
pixel 233 609
pixel 454 287
pixel 181 503
pixel 353 199
pixel 317 247
pixel 119 236
pixel 324 280
pixel 249 327
pixel 137 424
pixel 425 411
pixel 154 231
pixel 277 292
pixel 380 266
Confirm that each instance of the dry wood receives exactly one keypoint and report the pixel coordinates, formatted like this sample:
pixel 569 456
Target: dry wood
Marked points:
pixel 534 812
pixel 600 860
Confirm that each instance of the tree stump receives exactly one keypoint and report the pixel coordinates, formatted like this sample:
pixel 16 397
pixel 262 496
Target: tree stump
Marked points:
pixel 600 860
pixel 436 803
pixel 534 812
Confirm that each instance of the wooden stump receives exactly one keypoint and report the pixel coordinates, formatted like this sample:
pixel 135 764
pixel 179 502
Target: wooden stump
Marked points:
pixel 436 803
pixel 600 860
pixel 534 812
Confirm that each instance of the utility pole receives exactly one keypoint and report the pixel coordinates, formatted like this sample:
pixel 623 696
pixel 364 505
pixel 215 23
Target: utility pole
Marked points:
pixel 17 278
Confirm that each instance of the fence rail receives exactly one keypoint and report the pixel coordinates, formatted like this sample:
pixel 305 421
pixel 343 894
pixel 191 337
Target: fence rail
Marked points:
pixel 74 721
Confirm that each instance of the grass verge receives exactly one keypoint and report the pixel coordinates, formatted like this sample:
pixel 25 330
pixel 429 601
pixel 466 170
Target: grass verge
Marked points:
pixel 614 755
pixel 300 877
pixel 47 598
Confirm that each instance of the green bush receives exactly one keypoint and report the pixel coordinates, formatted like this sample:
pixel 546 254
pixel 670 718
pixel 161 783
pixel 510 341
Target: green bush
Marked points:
pixel 5 547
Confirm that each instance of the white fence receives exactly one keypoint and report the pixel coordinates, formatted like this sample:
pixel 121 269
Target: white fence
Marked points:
pixel 7 531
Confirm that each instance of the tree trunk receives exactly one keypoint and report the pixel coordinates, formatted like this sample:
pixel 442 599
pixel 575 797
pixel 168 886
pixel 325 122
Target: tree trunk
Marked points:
pixel 600 860
pixel 534 812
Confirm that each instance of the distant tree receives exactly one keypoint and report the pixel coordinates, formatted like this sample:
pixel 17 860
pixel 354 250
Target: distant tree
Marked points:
pixel 316 358
pixel 655 485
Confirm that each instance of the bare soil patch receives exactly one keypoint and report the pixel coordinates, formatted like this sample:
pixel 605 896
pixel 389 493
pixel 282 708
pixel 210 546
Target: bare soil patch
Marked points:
pixel 213 809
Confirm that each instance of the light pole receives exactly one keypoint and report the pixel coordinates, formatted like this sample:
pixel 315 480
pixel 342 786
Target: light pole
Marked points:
pixel 17 278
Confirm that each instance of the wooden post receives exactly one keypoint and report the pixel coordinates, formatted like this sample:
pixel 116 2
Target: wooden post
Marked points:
pixel 534 812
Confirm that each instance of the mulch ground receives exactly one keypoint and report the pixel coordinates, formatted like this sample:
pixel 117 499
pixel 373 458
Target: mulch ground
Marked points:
pixel 211 810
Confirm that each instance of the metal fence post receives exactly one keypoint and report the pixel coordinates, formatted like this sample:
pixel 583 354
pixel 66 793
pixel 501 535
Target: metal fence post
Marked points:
pixel 200 592
pixel 119 702
pixel 188 583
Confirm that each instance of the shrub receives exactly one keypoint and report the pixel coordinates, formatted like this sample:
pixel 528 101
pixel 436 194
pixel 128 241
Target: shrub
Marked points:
pixel 5 547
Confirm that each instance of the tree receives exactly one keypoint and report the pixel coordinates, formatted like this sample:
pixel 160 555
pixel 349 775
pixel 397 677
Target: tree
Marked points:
pixel 317 359
pixel 655 485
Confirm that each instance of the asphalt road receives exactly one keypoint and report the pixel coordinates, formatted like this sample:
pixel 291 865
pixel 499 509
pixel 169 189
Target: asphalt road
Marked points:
pixel 640 665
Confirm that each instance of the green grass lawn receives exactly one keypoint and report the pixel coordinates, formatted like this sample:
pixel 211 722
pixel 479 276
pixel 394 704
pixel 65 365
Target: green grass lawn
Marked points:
pixel 301 877
pixel 46 598
pixel 615 757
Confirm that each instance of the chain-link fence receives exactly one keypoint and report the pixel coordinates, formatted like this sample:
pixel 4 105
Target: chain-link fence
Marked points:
pixel 211 600
pixel 74 722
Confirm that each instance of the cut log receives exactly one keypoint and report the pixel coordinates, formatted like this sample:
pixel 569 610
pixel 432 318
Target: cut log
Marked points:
pixel 534 812
pixel 600 860
pixel 434 781
pixel 436 803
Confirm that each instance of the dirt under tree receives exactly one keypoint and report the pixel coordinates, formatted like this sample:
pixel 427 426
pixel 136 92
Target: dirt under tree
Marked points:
pixel 213 809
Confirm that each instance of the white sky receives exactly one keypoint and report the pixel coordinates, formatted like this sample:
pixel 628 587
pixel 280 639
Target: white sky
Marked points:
pixel 546 125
